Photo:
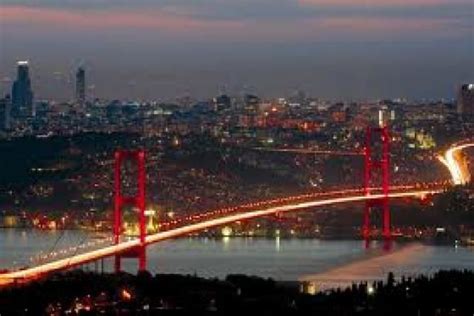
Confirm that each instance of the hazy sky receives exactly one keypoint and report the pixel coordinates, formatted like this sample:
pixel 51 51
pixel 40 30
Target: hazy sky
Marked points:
pixel 160 49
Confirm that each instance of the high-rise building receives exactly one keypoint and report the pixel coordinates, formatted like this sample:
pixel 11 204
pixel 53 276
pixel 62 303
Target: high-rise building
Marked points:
pixel 81 86
pixel 251 102
pixel 222 102
pixel 22 94
pixel 466 100
pixel 5 111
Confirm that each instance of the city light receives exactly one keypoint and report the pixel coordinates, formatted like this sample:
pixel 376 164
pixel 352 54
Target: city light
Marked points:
pixel 459 175
pixel 207 157
pixel 126 295
pixel 370 290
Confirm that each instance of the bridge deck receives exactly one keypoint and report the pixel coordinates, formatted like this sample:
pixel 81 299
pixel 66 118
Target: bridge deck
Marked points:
pixel 79 259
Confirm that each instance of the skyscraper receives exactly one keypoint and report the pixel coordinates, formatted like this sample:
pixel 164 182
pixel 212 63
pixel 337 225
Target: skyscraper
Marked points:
pixel 5 110
pixel 222 102
pixel 466 100
pixel 251 103
pixel 80 86
pixel 22 94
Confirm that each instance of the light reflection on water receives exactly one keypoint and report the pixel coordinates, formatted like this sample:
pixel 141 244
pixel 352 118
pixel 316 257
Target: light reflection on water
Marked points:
pixel 281 259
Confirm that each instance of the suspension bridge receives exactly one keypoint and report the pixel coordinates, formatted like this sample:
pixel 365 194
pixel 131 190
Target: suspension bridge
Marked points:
pixel 372 196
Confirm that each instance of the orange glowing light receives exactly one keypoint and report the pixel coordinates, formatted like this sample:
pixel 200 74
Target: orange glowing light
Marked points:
pixel 126 295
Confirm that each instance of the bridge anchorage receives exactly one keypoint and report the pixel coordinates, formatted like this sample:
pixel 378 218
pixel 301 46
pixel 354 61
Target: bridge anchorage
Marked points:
pixel 381 164
pixel 138 200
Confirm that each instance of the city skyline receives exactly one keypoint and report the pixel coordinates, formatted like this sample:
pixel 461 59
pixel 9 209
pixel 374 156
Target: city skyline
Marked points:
pixel 162 49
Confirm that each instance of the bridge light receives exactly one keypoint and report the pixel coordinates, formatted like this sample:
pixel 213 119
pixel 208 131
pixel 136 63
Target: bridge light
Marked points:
pixel 226 231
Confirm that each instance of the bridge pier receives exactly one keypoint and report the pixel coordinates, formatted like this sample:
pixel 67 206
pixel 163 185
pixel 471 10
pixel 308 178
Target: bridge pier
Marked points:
pixel 138 201
pixel 117 264
pixel 138 253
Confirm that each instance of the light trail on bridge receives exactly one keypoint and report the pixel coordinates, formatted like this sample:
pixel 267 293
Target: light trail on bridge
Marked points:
pixel 287 200
pixel 458 175
pixel 190 219
pixel 32 273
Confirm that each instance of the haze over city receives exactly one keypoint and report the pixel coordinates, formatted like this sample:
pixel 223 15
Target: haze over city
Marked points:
pixel 162 49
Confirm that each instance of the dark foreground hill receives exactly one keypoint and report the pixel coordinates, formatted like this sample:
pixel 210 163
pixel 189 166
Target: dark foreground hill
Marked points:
pixel 86 293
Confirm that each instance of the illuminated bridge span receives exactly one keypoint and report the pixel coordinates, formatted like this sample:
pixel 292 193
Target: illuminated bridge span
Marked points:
pixel 80 259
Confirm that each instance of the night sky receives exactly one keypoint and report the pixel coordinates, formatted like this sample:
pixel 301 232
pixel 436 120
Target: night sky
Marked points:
pixel 161 49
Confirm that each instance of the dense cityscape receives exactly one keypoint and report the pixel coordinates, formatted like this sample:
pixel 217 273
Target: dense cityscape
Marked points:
pixel 208 154
pixel 315 158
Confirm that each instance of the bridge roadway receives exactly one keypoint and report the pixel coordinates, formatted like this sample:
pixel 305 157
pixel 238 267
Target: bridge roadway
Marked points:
pixel 458 175
pixel 32 273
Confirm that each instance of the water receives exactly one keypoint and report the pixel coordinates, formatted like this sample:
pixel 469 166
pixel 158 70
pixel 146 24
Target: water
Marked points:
pixel 281 259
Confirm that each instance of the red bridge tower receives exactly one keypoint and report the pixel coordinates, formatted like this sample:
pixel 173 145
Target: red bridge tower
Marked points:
pixel 138 201
pixel 382 166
